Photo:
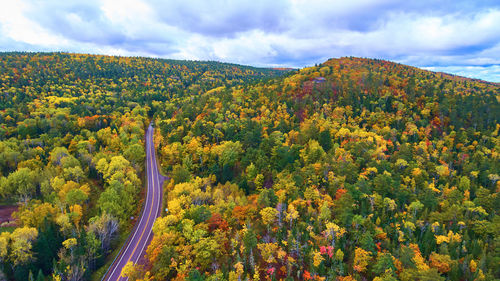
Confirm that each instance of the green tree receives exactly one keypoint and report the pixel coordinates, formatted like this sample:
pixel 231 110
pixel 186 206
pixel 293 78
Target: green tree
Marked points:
pixel 135 154
pixel 21 183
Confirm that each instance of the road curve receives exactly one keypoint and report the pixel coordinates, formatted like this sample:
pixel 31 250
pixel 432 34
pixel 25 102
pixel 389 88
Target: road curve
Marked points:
pixel 135 247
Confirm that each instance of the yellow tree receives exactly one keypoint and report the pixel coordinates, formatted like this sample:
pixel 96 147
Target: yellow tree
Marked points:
pixel 21 244
pixel 269 215
pixel 361 259
pixel 333 231
pixel 292 214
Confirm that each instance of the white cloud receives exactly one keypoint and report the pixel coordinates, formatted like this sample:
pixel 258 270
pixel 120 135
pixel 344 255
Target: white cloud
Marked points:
pixel 260 32
pixel 488 73
pixel 17 27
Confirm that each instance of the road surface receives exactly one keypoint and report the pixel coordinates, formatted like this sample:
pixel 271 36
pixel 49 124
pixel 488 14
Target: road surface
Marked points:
pixel 135 247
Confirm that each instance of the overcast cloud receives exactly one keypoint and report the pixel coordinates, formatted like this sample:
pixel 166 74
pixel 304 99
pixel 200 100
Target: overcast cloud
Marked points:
pixel 460 37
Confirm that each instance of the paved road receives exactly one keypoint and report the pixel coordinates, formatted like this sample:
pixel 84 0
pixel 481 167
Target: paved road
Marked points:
pixel 136 245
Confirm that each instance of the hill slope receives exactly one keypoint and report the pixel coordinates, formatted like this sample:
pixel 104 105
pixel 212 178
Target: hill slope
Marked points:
pixel 72 151
pixel 356 168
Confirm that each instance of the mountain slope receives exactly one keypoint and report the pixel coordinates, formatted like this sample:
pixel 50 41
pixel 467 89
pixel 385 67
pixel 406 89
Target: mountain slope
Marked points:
pixel 355 168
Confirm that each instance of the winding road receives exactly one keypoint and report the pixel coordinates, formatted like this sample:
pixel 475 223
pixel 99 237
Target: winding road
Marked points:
pixel 135 247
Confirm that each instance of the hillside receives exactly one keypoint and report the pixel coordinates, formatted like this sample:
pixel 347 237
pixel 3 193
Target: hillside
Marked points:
pixel 72 152
pixel 355 169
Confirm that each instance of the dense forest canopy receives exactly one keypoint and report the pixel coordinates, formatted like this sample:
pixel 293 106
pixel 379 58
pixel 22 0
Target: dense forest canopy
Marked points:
pixel 354 169
pixel 72 152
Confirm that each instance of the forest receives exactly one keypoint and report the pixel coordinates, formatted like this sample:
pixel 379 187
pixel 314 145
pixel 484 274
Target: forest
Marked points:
pixel 72 152
pixel 353 169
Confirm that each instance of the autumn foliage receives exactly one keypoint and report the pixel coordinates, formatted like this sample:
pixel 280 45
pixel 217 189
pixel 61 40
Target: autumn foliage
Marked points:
pixel 355 169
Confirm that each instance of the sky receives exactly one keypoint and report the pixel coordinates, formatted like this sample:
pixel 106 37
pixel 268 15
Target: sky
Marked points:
pixel 454 36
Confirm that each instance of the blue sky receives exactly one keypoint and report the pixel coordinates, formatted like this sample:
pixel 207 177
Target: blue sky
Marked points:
pixel 459 37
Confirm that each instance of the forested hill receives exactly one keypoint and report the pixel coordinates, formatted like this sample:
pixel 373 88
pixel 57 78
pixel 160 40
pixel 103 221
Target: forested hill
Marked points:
pixel 144 79
pixel 366 84
pixel 72 152
pixel 355 169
